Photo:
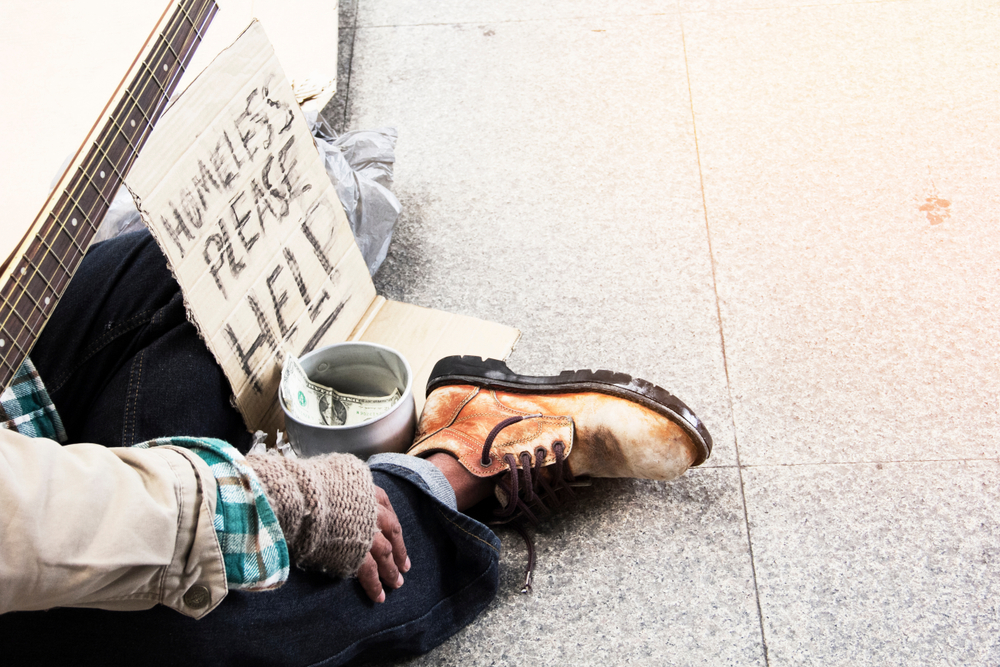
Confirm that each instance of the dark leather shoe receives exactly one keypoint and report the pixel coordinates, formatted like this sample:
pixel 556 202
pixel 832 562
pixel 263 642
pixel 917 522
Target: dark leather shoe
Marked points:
pixel 544 429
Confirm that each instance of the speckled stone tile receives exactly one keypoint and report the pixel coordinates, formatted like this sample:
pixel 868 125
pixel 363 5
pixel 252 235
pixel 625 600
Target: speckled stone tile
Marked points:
pixel 549 181
pixel 850 159
pixel 878 564
pixel 641 573
pixel 417 12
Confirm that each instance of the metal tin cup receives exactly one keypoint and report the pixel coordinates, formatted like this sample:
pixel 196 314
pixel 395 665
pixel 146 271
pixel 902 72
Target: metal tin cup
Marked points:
pixel 365 369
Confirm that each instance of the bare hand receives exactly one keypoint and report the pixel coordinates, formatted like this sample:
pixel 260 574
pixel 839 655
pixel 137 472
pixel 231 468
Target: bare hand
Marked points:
pixel 387 557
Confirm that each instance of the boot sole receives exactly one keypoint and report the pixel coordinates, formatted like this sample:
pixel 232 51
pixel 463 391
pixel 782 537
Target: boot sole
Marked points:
pixel 494 374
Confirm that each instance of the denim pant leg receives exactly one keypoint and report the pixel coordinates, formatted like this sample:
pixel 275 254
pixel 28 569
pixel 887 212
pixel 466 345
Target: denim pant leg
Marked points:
pixel 311 620
pixel 120 359
pixel 123 365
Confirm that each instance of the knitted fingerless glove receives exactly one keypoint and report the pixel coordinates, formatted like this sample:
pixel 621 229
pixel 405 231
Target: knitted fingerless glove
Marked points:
pixel 326 507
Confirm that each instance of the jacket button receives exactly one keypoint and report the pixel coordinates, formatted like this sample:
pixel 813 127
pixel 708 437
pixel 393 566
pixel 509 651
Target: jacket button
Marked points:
pixel 197 597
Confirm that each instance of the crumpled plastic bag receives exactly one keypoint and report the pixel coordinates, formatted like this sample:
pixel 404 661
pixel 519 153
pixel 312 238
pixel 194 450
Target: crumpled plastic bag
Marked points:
pixel 122 217
pixel 359 164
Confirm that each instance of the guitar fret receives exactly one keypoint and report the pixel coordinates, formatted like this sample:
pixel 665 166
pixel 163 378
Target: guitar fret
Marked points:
pixel 35 317
pixel 43 275
pixel 15 311
pixel 132 124
pixel 13 370
pixel 85 177
pixel 153 75
pixel 5 353
pixel 50 252
pixel 40 283
pixel 85 216
pixel 79 248
pixel 186 34
pixel 114 167
pixel 130 157
pixel 53 265
pixel 27 333
pixel 73 218
pixel 194 25
pixel 134 133
pixel 78 192
pixel 79 213
pixel 38 309
pixel 16 339
pixel 110 182
pixel 121 132
pixel 96 169
pixel 62 271
pixel 14 336
pixel 100 193
pixel 57 239
pixel 118 147
pixel 140 109
pixel 30 296
pixel 108 144
pixel 177 58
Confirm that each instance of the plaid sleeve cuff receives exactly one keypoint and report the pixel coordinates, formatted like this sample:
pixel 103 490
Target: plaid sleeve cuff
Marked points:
pixel 253 546
pixel 25 406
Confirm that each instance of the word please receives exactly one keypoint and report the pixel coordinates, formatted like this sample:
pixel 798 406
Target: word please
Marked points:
pixel 244 184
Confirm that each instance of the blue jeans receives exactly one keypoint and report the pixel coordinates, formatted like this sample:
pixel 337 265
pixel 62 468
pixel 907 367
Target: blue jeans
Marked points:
pixel 123 365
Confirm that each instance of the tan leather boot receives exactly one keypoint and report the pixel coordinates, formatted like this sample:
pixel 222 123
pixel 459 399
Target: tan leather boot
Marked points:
pixel 547 430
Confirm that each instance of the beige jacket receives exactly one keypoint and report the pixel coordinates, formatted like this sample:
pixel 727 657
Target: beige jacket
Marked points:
pixel 89 526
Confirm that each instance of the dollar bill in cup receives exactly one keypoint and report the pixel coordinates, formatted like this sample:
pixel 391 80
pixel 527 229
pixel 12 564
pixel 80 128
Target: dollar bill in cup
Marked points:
pixel 314 403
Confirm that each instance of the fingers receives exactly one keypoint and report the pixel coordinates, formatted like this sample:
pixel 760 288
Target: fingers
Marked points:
pixel 388 571
pixel 388 523
pixel 368 578
pixel 387 559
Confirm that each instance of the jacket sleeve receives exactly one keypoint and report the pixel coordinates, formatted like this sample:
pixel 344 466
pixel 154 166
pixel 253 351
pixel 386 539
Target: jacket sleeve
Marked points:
pixel 113 528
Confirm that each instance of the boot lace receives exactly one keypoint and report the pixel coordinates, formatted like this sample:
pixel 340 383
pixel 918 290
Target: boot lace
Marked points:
pixel 527 489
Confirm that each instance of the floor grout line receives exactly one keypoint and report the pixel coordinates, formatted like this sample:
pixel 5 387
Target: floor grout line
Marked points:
pixel 350 64
pixel 722 340
pixel 992 459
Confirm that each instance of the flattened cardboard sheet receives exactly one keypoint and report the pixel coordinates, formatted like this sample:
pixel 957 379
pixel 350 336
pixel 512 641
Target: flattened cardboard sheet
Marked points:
pixel 234 191
pixel 424 336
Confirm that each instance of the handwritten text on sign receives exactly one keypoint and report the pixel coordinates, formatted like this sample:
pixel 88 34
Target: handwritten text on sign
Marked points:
pixel 233 189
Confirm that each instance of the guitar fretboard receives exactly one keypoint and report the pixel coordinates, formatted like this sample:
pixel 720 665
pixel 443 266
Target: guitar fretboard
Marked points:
pixel 44 268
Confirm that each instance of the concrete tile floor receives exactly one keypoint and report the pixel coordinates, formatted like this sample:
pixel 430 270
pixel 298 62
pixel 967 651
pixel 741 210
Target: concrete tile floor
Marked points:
pixel 785 213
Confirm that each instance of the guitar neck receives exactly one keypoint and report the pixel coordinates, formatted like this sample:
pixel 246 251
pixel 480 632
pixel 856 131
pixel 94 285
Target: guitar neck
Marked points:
pixel 41 268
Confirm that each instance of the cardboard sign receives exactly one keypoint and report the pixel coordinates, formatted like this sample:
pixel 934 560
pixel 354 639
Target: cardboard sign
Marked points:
pixel 232 187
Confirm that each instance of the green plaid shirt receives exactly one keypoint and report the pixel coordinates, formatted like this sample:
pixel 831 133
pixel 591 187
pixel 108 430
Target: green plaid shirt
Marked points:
pixel 25 406
pixel 253 547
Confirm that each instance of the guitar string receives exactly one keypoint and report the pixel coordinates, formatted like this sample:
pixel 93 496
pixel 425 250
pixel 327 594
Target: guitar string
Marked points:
pixel 137 105
pixel 175 28
pixel 178 59
pixel 99 145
